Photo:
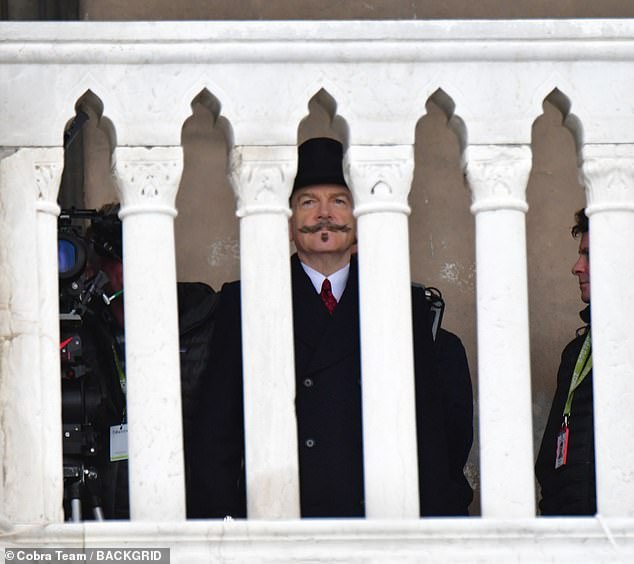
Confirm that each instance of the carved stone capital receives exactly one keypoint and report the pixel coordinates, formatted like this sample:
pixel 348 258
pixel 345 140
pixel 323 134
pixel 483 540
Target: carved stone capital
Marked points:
pixel 147 179
pixel 497 176
pixel 262 178
pixel 608 175
pixel 47 173
pixel 380 177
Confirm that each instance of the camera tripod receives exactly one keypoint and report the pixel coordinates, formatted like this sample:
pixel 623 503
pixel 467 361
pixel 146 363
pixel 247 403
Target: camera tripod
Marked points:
pixel 82 483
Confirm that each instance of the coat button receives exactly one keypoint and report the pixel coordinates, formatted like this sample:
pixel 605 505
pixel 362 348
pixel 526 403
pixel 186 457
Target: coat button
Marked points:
pixel 308 383
pixel 310 443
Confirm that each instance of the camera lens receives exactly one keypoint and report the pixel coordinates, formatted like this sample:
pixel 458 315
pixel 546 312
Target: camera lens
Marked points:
pixel 71 256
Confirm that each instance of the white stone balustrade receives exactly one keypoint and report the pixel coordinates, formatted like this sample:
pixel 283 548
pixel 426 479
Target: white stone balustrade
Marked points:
pixel 380 74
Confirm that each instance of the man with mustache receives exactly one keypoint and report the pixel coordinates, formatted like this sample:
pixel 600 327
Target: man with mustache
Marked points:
pixel 565 464
pixel 327 365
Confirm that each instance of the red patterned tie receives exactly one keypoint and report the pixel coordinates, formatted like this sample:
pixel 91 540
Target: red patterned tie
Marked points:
pixel 326 296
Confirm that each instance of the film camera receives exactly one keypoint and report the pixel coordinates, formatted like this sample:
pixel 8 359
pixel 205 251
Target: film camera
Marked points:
pixel 92 396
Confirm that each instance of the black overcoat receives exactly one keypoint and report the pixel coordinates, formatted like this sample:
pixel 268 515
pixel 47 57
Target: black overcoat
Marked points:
pixel 328 406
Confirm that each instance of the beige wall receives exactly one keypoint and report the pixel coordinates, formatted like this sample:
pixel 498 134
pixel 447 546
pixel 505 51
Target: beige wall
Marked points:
pixel 442 228
pixel 350 9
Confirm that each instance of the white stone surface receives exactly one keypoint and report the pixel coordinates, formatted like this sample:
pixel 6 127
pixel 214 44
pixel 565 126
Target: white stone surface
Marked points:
pixel 363 65
pixel 26 416
pixel 47 173
pixel 147 182
pixel 262 178
pixel 498 177
pixel 465 541
pixel 609 176
pixel 380 178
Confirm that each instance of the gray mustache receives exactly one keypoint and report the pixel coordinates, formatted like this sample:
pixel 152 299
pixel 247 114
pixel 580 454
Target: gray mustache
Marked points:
pixel 325 224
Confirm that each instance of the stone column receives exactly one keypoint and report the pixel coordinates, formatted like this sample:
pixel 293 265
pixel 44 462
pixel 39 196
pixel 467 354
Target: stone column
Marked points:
pixel 21 379
pixel 262 179
pixel 147 181
pixel 380 178
pixel 608 172
pixel 48 168
pixel 498 176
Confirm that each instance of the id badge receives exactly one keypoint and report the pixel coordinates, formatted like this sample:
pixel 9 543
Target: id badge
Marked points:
pixel 119 442
pixel 562 446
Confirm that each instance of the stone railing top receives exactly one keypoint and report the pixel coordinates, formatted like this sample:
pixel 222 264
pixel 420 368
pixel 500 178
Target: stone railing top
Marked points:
pixel 333 41
pixel 263 74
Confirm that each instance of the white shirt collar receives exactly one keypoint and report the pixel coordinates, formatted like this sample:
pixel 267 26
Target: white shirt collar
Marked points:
pixel 338 280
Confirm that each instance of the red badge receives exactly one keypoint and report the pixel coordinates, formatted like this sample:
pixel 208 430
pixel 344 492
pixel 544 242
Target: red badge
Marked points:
pixel 562 446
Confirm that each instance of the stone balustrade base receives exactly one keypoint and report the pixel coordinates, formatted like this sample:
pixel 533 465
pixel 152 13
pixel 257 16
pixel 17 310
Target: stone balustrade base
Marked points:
pixel 465 540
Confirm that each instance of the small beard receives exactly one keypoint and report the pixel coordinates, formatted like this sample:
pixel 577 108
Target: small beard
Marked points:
pixel 325 225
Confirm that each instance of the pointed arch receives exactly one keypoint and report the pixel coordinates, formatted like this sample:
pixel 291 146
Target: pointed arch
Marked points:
pixel 91 105
pixel 89 140
pixel 442 231
pixel 553 194
pixel 322 120
pixel 454 122
pixel 206 101
pixel 569 120
pixel 205 200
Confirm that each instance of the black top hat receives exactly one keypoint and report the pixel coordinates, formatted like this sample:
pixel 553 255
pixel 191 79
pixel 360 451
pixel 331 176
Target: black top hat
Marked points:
pixel 319 161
